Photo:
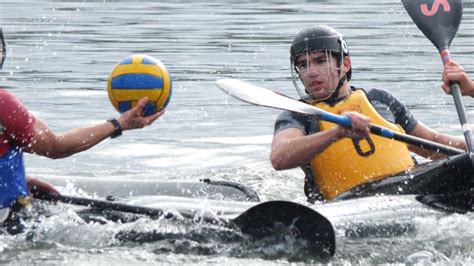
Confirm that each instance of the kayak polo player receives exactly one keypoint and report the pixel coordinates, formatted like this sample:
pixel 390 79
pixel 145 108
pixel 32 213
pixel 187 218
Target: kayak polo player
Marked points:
pixel 334 158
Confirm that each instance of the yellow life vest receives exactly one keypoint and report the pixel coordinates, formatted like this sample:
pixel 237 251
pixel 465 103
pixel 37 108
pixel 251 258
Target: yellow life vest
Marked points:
pixel 339 167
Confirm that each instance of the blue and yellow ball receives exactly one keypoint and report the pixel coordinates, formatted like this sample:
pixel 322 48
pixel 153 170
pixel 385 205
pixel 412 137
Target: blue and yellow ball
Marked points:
pixel 138 76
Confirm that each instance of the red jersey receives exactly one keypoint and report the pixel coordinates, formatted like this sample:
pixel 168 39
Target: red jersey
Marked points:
pixel 16 123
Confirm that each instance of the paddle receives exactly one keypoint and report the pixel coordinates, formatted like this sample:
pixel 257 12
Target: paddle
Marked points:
pixel 259 221
pixel 260 96
pixel 439 21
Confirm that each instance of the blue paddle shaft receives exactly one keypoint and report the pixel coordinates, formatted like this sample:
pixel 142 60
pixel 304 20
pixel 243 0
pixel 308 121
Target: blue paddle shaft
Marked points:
pixel 387 133
pixel 336 119
pixel 345 121
pixel 256 95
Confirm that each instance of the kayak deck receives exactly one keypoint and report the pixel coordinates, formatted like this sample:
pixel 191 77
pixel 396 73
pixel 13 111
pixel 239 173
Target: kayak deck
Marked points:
pixel 451 175
pixel 126 188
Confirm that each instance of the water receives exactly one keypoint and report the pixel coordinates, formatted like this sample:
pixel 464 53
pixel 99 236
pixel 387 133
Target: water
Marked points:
pixel 61 52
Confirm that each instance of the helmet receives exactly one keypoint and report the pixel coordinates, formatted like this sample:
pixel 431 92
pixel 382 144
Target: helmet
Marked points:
pixel 319 38
pixel 3 49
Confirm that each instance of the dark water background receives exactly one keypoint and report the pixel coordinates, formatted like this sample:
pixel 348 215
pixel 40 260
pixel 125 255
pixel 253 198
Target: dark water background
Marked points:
pixel 61 52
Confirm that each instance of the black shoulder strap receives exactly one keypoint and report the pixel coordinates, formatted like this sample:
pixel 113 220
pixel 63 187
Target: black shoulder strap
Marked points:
pixel 311 189
pixel 358 89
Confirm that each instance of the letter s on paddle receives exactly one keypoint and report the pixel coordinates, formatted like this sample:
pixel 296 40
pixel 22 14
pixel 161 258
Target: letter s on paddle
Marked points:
pixel 434 10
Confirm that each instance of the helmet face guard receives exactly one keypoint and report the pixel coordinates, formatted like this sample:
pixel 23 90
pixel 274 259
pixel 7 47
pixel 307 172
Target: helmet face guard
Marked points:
pixel 322 67
pixel 3 49
pixel 331 46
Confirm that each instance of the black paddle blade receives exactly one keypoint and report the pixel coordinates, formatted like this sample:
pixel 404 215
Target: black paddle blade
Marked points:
pixel 263 220
pixel 438 19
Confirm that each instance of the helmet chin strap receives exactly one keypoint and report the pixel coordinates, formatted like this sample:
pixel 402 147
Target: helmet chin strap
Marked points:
pixel 332 100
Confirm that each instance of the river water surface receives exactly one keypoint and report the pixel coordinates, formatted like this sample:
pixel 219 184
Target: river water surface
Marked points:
pixel 61 52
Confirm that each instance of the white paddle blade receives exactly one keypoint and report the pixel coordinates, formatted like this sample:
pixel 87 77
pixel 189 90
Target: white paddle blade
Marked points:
pixel 256 95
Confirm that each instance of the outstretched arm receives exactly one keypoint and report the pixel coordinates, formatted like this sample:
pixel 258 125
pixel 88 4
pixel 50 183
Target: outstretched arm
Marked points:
pixel 45 142
pixel 423 131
